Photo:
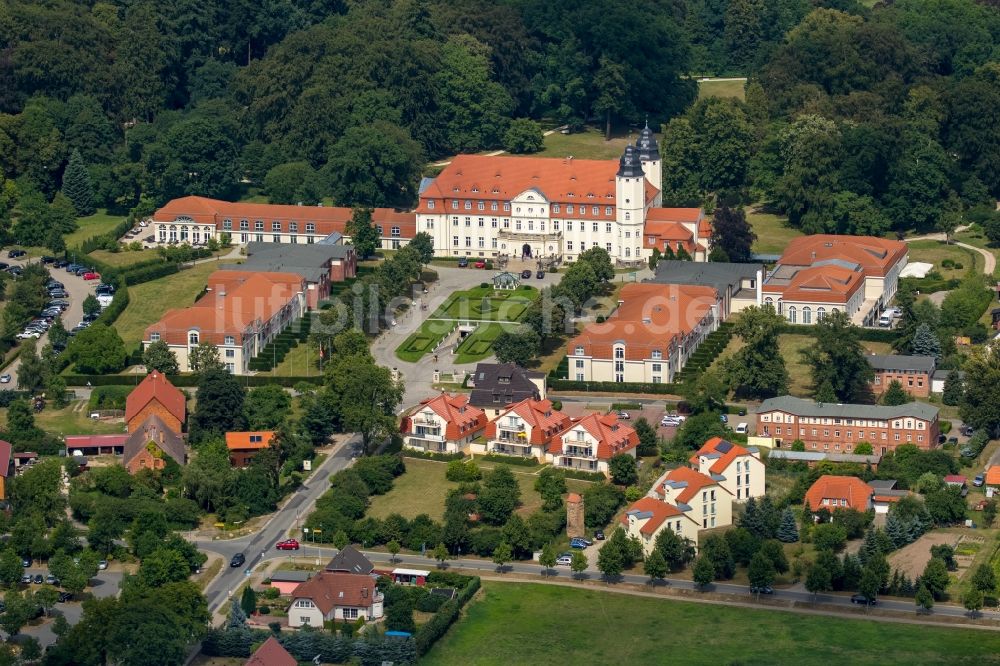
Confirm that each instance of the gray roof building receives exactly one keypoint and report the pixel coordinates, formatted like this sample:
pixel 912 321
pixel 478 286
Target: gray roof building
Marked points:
pixel 800 407
pixel 900 363
pixel 311 261
pixel 818 456
pixel 719 275
pixel 498 384
pixel 290 576
pixel 153 429
pixel 350 560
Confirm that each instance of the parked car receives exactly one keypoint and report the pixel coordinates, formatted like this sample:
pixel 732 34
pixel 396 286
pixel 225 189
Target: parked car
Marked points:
pixel 48 260
pixel 968 430
pixel 578 543
pixel 979 480
pixel 64 597
pixel 16 271
pixel 15 253
pixel 62 263
pixel 742 428
pixel 102 565
pixel 599 535
pixel 38 579
pixel 723 418
pixel 57 293
pixel 239 559
pixel 26 579
pixel 540 274
pixel 463 262
pixel 623 415
pixel 5 379
pixel 742 412
pixel 767 589
pixel 4 266
pixel 51 580
pixel 564 560
pixel 24 335
pixel 669 422
pixel 526 274
pixel 91 276
pixel 287 544
pixel 862 599
pixel 25 562
pixel 480 264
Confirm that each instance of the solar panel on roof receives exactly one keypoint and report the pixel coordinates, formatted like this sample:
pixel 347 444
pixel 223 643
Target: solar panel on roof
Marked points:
pixel 724 446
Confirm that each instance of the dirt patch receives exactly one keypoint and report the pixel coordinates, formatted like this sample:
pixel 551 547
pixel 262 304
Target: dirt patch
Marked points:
pixel 912 559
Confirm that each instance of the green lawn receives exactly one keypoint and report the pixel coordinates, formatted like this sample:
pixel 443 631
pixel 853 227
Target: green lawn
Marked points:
pixel 148 301
pixel 423 340
pixel 976 238
pixel 479 344
pixel 586 145
pixel 72 420
pixel 773 232
pixel 935 252
pixel 523 623
pixel 721 89
pixel 300 361
pixel 92 225
pixel 487 304
pixel 123 258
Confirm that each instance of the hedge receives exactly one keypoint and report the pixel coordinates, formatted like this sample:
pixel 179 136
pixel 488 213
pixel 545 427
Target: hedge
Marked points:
pixel 428 634
pixel 109 397
pixel 613 387
pixel 430 455
pixel 509 460
pixel 76 379
pixel 866 334
pixel 583 476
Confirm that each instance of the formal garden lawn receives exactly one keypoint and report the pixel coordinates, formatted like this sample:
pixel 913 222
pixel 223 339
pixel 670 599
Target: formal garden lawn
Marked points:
pixel 479 344
pixel 424 339
pixel 148 301
pixel 586 145
pixel 525 623
pixel 485 303
pixel 721 89
pixel 119 259
pixel 773 231
pixel 99 223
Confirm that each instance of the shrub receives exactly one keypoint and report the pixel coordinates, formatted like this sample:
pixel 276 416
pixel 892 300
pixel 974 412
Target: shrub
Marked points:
pixel 109 397
pixel 510 460
pixel 460 471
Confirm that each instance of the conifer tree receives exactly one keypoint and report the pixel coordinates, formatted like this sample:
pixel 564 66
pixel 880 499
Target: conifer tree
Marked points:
pixel 954 389
pixel 77 186
pixel 925 343
pixel 788 531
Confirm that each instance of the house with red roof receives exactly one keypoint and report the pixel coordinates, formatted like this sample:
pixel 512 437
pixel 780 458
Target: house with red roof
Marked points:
pixel 331 596
pixel 839 492
pixel 271 653
pixel 648 516
pixel 649 338
pixel 590 442
pixel 525 429
pixel 156 395
pixel 738 469
pixel 243 446
pixel 195 220
pixel 240 314
pixel 6 467
pixel 152 446
pixel 699 496
pixel 443 424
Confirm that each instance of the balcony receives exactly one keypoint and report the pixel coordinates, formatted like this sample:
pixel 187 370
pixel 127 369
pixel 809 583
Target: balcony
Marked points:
pixel 429 436
pixel 506 449
pixel 575 463
pixel 579 452
pixel 526 236
pixel 435 446
pixel 423 419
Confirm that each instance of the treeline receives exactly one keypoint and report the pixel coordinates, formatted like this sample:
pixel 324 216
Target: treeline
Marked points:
pixel 859 121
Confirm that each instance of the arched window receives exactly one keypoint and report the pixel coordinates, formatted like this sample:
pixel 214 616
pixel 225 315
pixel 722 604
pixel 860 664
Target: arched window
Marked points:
pixel 628 252
pixel 619 351
pixel 193 338
pixel 769 301
pixel 792 317
pixel 820 313
pixel 807 315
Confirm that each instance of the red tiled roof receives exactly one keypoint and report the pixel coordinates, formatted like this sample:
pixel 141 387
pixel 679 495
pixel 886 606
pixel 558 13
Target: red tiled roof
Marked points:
pixel 850 488
pixel 875 255
pixel 725 458
pixel 271 653
pixel 887 498
pixel 242 440
pixel 691 215
pixel 461 419
pixel 584 183
pixel 5 449
pixel 827 283
pixel 650 317
pixel 695 482
pixel 661 511
pixel 544 421
pixel 613 437
pixel 77 441
pixel 203 210
pixel 329 590
pixel 156 386
pixel 993 476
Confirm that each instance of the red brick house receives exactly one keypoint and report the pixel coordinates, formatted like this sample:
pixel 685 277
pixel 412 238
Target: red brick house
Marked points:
pixel 156 395
pixel 149 446
pixel 914 373
pixel 243 446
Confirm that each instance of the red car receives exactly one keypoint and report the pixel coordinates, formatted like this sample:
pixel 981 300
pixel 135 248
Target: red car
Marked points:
pixel 290 544
pixel 480 264
pixel 91 276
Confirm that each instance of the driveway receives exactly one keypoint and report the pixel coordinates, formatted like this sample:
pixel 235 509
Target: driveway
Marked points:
pixel 989 260
pixel 107 583
pixel 77 289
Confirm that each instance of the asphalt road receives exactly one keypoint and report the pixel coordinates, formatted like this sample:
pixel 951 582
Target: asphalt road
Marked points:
pixel 106 584
pixel 259 547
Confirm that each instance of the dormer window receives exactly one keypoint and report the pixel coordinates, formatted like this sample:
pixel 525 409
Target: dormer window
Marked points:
pixel 579 351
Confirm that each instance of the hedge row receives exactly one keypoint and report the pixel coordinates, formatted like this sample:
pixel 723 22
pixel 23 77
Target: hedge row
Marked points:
pixel 584 476
pixel 867 334
pixel 509 460
pixel 614 387
pixel 98 242
pixel 430 455
pixel 428 633
pixel 76 379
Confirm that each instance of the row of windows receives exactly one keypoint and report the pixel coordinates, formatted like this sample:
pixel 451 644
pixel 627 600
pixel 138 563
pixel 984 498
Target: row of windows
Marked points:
pixel 620 353
pixel 293 227
pixel 849 433
pixel 556 208
pixel 519 225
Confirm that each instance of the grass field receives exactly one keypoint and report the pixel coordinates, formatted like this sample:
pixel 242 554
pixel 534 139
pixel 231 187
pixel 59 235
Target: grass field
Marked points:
pixel 586 145
pixel 479 344
pixel 773 232
pixel 300 361
pixel 487 304
pixel 71 420
pixel 92 225
pixel 123 258
pixel 523 623
pixel 148 301
pixel 935 252
pixel 721 89
pixel 424 340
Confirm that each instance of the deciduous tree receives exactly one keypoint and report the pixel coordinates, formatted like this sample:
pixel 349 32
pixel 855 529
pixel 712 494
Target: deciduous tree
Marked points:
pixel 757 369
pixel 732 233
pixel 838 360
pixel 158 356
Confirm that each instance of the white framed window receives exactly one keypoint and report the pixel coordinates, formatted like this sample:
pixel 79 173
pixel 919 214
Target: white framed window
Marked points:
pixel 154 337
pixel 430 204
pixel 230 339
pixel 192 338
pixel 275 226
pixel 578 351
pixel 607 228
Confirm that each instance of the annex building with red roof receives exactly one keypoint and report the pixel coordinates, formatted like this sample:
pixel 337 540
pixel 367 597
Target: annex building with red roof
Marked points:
pixel 648 338
pixel 443 424
pixel 195 220
pixel 825 273
pixel 556 208
pixel 329 596
pixel 590 442
pixel 155 395
pixel 839 492
pixel 524 429
pixel 240 313
pixel 244 446
pixel 739 470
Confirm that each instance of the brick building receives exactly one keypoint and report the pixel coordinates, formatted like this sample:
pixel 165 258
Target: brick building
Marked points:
pixel 320 265
pixel 156 395
pixel 914 373
pixel 243 446
pixel 149 446
pixel 839 428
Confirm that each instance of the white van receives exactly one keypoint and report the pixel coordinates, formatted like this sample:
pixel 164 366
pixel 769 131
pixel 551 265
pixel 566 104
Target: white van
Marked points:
pixel 742 428
pixel 885 321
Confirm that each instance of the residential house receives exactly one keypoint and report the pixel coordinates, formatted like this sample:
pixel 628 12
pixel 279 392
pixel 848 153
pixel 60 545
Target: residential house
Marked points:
pixel 334 596
pixel 826 273
pixel 838 428
pixel 350 560
pixel 914 373
pixel 523 429
pixel 649 516
pixel 737 286
pixel 156 395
pixel 698 495
pixel 151 445
pixel 648 339
pixel 885 494
pixel 243 446
pixel 590 443
pixel 496 386
pixel 319 264
pixel 839 492
pixel 992 480
pixel 739 470
pixel 443 424
pixel 241 312
pixel 195 220
pixel 6 467
pixel 271 653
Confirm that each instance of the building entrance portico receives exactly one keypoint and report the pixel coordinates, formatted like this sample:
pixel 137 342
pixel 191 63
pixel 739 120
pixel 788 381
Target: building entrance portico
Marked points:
pixel 526 251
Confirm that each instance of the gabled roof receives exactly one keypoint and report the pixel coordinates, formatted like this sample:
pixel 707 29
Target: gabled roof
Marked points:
pixel 876 256
pixel 613 437
pixel 271 653
pixel 5 449
pixel 899 362
pixel 461 419
pixel 328 590
pixel 688 481
pixel 502 383
pixel 154 430
pixel 801 407
pixel 539 415
pixel 993 476
pixel 690 215
pixel 653 511
pixel 850 488
pixel 350 560
pixel 156 387
pixel 260 439
pixel 724 453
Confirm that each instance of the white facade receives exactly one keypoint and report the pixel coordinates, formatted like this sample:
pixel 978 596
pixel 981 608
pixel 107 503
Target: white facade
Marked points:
pixel 304 612
pixel 743 477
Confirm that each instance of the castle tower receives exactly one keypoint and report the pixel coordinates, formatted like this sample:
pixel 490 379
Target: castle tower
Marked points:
pixel 630 189
pixel 649 156
pixel 575 526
